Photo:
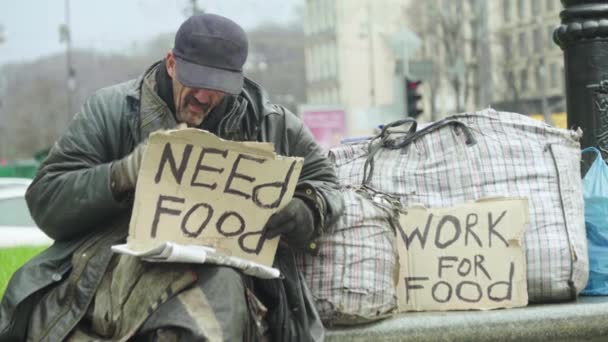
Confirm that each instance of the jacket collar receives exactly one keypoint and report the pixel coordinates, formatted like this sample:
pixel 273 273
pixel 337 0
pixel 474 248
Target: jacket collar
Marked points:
pixel 154 114
pixel 149 112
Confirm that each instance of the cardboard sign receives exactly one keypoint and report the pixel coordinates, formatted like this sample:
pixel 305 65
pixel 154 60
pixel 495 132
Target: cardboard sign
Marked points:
pixel 466 257
pixel 195 188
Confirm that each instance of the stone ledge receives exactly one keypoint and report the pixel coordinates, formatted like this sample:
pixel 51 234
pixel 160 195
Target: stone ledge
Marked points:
pixel 584 319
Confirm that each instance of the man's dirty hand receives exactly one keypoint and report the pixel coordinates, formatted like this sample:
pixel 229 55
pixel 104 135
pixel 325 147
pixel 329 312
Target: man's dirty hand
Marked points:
pixel 124 171
pixel 295 223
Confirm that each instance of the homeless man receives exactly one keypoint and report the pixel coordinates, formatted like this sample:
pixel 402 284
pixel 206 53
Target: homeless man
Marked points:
pixel 82 197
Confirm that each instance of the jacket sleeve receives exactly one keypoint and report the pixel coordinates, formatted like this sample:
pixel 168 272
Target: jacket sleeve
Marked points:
pixel 318 180
pixel 71 192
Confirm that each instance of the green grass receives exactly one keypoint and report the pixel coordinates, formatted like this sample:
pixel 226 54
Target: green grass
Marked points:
pixel 11 259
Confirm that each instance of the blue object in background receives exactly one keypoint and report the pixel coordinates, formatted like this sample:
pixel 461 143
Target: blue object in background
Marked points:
pixel 595 192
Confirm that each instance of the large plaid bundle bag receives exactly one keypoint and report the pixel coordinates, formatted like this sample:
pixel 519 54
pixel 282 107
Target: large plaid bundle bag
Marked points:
pixel 471 156
pixel 353 276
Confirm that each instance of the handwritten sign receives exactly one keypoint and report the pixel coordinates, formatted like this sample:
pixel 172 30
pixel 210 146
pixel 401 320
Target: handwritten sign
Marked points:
pixel 195 188
pixel 466 257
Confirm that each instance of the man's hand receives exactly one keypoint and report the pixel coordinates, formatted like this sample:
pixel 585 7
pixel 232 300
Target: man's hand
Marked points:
pixel 295 222
pixel 124 171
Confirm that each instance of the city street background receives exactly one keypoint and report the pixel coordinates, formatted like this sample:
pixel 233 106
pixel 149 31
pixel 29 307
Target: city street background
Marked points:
pixel 345 66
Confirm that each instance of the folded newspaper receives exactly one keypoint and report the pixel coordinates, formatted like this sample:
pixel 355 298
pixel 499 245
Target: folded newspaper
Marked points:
pixel 173 252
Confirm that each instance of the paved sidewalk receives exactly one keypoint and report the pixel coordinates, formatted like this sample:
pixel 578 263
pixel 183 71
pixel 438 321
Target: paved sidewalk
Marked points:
pixel 582 320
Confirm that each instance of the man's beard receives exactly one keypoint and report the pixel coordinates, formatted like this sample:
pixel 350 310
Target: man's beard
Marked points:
pixel 190 99
pixel 190 118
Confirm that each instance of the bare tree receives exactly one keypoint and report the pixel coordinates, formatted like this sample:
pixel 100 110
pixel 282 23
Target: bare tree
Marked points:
pixel 34 112
pixel 453 33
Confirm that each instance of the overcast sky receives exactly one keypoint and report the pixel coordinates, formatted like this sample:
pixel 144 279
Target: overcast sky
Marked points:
pixel 31 27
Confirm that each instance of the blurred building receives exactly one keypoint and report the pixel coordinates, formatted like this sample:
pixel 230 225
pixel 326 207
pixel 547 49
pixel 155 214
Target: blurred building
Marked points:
pixel 490 52
pixel 349 60
pixel 477 53
pixel 456 43
pixel 530 66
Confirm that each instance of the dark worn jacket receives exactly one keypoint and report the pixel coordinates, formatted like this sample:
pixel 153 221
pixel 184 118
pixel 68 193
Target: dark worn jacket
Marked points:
pixel 72 202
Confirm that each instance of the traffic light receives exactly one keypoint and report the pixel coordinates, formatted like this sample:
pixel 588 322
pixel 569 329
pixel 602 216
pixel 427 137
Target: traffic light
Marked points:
pixel 412 98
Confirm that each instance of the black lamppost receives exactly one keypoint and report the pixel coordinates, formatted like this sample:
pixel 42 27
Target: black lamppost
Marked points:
pixel 583 36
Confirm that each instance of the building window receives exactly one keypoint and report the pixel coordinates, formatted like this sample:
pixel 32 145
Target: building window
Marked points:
pixel 521 9
pixel 538 38
pixel 553 76
pixel 473 26
pixel 539 76
pixel 335 61
pixel 318 62
pixel 510 79
pixel 523 80
pixel 506 10
pixel 334 96
pixel 332 14
pixel 313 63
pixel 307 20
pixel 506 45
pixel 312 15
pixel 330 60
pixel 523 44
pixel 326 14
pixel 308 65
pixel 320 16
pixel 535 7
pixel 323 60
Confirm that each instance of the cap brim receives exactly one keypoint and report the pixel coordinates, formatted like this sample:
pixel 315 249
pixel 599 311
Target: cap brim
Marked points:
pixel 199 76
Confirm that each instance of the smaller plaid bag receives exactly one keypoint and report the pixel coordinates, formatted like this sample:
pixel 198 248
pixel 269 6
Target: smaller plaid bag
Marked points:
pixel 353 277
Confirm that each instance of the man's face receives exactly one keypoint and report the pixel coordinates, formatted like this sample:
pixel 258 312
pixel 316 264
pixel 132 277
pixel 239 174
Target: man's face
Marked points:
pixel 192 105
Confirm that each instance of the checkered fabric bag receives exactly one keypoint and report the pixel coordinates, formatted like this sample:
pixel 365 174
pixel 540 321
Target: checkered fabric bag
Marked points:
pixel 471 156
pixel 353 277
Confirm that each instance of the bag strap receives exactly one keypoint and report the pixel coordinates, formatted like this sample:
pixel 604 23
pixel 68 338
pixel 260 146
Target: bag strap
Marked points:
pixel 372 148
pixel 470 139
pixel 413 126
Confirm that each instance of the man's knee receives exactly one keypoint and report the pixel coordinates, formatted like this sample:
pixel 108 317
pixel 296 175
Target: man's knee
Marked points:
pixel 212 274
pixel 215 307
pixel 213 278
pixel 225 289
